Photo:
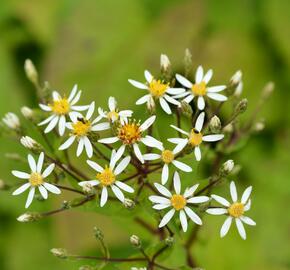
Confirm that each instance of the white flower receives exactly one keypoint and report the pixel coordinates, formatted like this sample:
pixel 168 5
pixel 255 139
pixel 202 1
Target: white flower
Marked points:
pixel 157 90
pixel 167 157
pixel 194 137
pixel 200 88
pixel 29 143
pixel 130 134
pixel 107 177
pixel 36 179
pixel 234 211
pixel 61 107
pixel 11 120
pixel 177 202
pixel 80 129
pixel 114 114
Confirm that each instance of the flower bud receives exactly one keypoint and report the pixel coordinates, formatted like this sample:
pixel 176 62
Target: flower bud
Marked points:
pixel 29 217
pixel 11 120
pixel 186 109
pixel 27 112
pixel 228 128
pixel 241 106
pixel 215 124
pixel 98 234
pixel 31 71
pixel 135 241
pixel 187 61
pixel 259 126
pixel 164 62
pixel 129 204
pixel 59 252
pixel 151 105
pixel 268 90
pixel 227 167
pixel 169 241
pixel 30 144
pixel 88 189
pixel 239 89
pixel 236 78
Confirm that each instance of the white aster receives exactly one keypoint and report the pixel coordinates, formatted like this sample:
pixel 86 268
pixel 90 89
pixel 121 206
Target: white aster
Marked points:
pixel 234 211
pixel 177 203
pixel 199 88
pixel 36 179
pixel 194 137
pixel 80 128
pixel 107 178
pixel 131 134
pixel 60 108
pixel 157 90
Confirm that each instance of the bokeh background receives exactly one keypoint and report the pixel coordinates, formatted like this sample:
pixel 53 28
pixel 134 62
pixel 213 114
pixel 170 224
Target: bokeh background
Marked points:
pixel 99 44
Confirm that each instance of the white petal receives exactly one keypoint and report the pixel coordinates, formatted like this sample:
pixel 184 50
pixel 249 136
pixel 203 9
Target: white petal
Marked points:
pixel 52 188
pixel 217 211
pixel 176 183
pixel 184 94
pixel 67 143
pixel 185 82
pixel 167 217
pixel 138 84
pixel 164 105
pixel 248 206
pixel 197 153
pixel 152 142
pixel 199 74
pixel 104 196
pixel 200 103
pixel 208 76
pixel 176 140
pixel 160 206
pixel 183 220
pixel 246 194
pixel 221 200
pixel 43 192
pixel 74 116
pixel 198 199
pixel 56 95
pixel 217 97
pixel 122 165
pixel 148 123
pixel 52 124
pixel 109 140
pixel 80 108
pixel 61 125
pixel 163 190
pixel 32 163
pixel 30 197
pixel 45 107
pixel 164 174
pixel 180 146
pixel 212 138
pixel 112 103
pixel 80 147
pixel 151 156
pixel 91 182
pixel 73 93
pixel 148 76
pixel 182 166
pixel 189 191
pixel 199 122
pixel 193 216
pixel 189 98
pixel 175 91
pixel 215 89
pixel 171 100
pixel 90 110
pixel 95 166
pixel 241 228
pixel 248 221
pixel 233 191
pixel 117 156
pixel 226 226
pixel 88 147
pixel 101 126
pixel 21 189
pixel 40 162
pixel 76 98
pixel 179 130
pixel 21 175
pixel 138 152
pixel 159 199
pixel 48 170
pixel 118 193
pixel 142 99
pixel 124 186
pixel 47 120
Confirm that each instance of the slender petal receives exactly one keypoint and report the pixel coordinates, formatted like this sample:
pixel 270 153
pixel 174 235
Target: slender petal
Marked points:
pixel 43 192
pixel 193 216
pixel 104 196
pixel 48 170
pixel 67 143
pixel 233 191
pixel 151 156
pixel 208 76
pixel 32 163
pixel 47 120
pixel 101 126
pixel 95 166
pixel 183 220
pixel 212 138
pixel 91 182
pixel 175 91
pixel 164 105
pixel 138 84
pixel 61 125
pixel 122 165
pixel 73 93
pixel 185 82
pixel 217 96
pixel 241 228
pixel 143 99
pixel 164 174
pixel 216 211
pixel 197 153
pixel 163 190
pixel 148 76
pixel 76 98
pixel 124 186
pixel 88 147
pixel 179 130
pixel 52 124
pixel 21 189
pixel 21 175
pixel 148 123
pixel 80 147
pixel 52 188
pixel 160 206
pixel 167 217
pixel 171 100
pixel 159 199
pixel 226 226
pixel 40 162
pixel 45 107
pixel 246 194
pixel 221 200
pixel 215 89
pixel 118 193
pixel 138 152
pixel 190 191
pixel 199 122
pixel 152 142
pixel 109 140
pixel 200 103
pixel 182 166
pixel 90 110
pixel 176 183
pixel 199 74
pixel 117 156
pixel 30 197
pixel 248 221
pixel 198 199
pixel 189 98
pixel 112 103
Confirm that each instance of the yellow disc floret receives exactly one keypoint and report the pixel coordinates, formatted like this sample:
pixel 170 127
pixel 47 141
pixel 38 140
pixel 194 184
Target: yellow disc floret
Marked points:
pixel 157 88
pixel 106 177
pixel 35 179
pixel 113 116
pixel 81 128
pixel 199 89
pixel 195 137
pixel 178 202
pixel 236 210
pixel 60 107
pixel 167 156
pixel 129 133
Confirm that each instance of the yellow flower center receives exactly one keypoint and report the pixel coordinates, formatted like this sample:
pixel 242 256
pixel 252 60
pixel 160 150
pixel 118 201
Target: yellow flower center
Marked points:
pixel 195 137
pixel 157 88
pixel 199 89
pixel 106 177
pixel 236 210
pixel 60 107
pixel 129 133
pixel 81 128
pixel 35 179
pixel 113 116
pixel 178 202
pixel 167 156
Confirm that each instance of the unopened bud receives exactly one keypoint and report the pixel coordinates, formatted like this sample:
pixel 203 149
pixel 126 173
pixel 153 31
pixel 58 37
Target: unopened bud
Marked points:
pixel 164 62
pixel 236 78
pixel 98 234
pixel 27 112
pixel 11 120
pixel 88 189
pixel 239 89
pixel 30 144
pixel 31 71
pixel 151 105
pixel 187 61
pixel 228 128
pixel 259 126
pixel 59 252
pixel 215 124
pixel 135 241
pixel 241 106
pixel 227 167
pixel 186 109
pixel 65 205
pixel 129 204
pixel 169 241
pixel 268 90
pixel 29 217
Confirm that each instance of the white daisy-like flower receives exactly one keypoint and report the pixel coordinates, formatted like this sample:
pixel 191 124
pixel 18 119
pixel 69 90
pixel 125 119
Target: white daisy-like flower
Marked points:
pixel 80 128
pixel 234 211
pixel 167 157
pixel 114 114
pixel 157 90
pixel 107 177
pixel 177 202
pixel 200 89
pixel 61 107
pixel 36 179
pixel 194 137
pixel 131 134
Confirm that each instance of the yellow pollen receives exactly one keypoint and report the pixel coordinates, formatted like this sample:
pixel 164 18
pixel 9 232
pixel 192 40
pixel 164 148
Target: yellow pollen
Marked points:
pixel 35 179
pixel 195 137
pixel 199 89
pixel 157 88
pixel 167 156
pixel 106 177
pixel 113 116
pixel 178 202
pixel 81 127
pixel 129 133
pixel 236 210
pixel 60 107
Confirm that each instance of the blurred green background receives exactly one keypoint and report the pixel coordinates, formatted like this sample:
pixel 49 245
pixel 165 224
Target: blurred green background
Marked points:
pixel 99 44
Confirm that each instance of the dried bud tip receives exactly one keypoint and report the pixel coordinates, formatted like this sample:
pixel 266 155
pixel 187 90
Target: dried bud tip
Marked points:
pixel 215 124
pixel 164 62
pixel 88 189
pixel 30 71
pixel 98 234
pixel 28 217
pixel 59 252
pixel 227 167
pixel 129 204
pixel 135 241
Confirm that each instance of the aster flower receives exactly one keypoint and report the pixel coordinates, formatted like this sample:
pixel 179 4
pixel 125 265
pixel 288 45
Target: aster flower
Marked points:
pixel 114 114
pixel 177 202
pixel 36 179
pixel 131 134
pixel 61 107
pixel 167 157
pixel 234 211
pixel 194 137
pixel 107 177
pixel 80 129
pixel 157 90
pixel 200 89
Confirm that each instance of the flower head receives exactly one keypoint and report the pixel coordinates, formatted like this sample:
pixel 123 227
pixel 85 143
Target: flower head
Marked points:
pixel 11 120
